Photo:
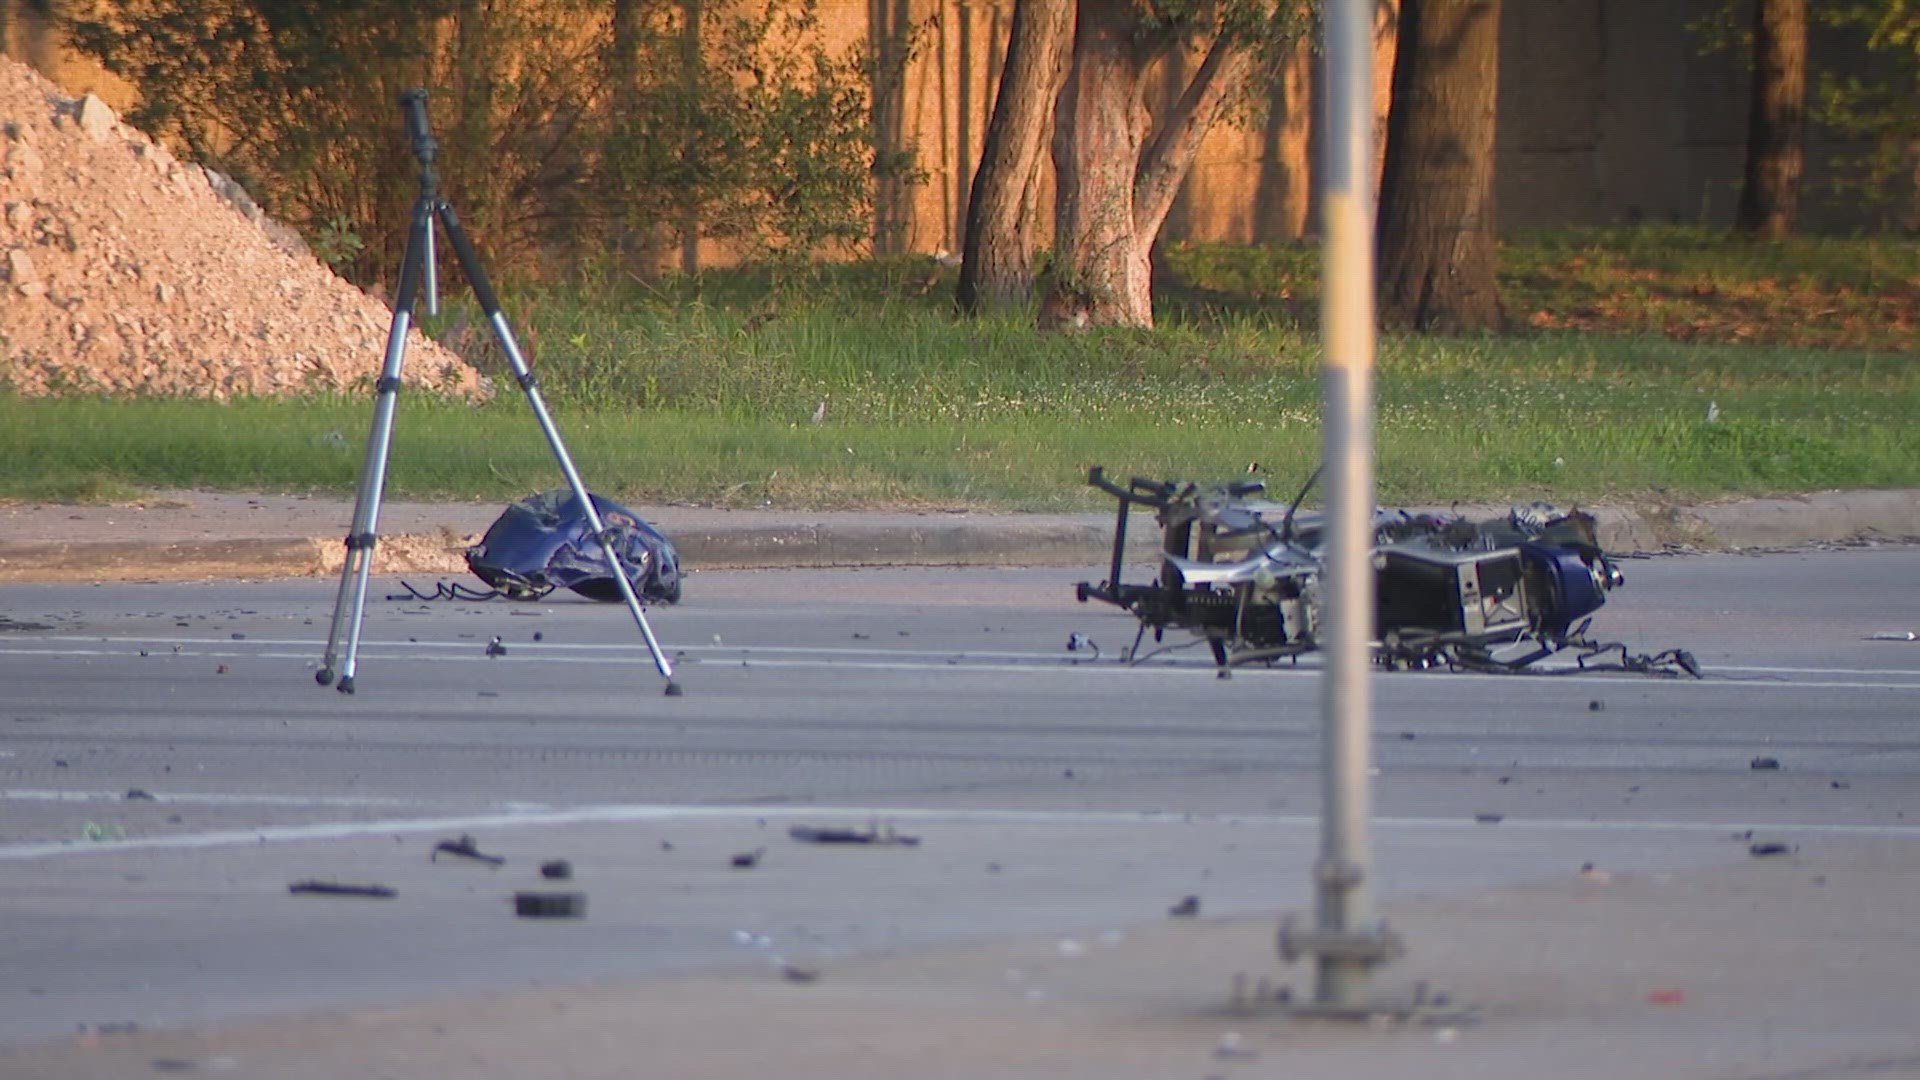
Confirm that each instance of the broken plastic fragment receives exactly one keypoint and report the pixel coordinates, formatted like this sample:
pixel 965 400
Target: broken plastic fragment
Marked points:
pixel 464 847
pixel 334 888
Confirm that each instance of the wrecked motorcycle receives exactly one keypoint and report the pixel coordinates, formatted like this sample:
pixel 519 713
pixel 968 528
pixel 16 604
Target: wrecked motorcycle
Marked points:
pixel 1245 575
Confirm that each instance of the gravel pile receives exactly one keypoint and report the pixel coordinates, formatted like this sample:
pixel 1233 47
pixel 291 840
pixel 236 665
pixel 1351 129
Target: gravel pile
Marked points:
pixel 126 271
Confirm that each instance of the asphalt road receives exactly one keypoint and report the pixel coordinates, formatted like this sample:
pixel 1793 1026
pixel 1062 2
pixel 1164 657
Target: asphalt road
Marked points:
pixel 1053 792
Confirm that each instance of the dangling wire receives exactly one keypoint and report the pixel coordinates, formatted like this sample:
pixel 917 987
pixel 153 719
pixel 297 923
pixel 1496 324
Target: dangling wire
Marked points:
pixel 455 591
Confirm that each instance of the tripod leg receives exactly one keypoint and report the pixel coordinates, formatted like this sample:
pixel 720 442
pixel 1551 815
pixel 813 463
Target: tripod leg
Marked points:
pixel 349 605
pixel 490 304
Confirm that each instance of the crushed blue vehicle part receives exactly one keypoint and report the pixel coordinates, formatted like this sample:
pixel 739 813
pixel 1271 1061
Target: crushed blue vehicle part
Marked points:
pixel 546 542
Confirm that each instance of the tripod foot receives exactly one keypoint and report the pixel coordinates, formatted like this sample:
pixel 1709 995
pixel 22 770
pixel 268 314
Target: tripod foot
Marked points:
pixel 673 689
pixel 324 676
pixel 346 685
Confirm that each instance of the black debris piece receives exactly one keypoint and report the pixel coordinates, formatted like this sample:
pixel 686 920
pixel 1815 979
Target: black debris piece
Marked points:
pixel 550 905
pixel 797 974
pixel 465 848
pixel 494 648
pixel 1187 908
pixel 1763 764
pixel 1596 705
pixel 1761 851
pixel 812 834
pixel 747 860
pixel 335 888
pixel 239 637
pixel 666 845
pixel 538 636
pixel 139 795
pixel 173 1065
pixel 1840 785
pixel 557 870
pixel 1489 819
pixel 1408 736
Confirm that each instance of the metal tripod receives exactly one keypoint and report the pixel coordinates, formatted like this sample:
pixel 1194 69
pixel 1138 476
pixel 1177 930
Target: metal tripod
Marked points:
pixel 416 268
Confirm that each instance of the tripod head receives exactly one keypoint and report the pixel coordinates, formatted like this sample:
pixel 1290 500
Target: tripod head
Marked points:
pixel 414 104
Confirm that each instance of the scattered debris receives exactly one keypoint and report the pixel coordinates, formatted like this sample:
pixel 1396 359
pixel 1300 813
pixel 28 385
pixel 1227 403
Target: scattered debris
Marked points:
pixel 811 834
pixel 173 1065
pixel 1229 1048
pixel 464 847
pixel 335 888
pixel 1764 764
pixel 747 860
pixel 550 905
pixel 1771 847
pixel 1077 642
pixel 1839 785
pixel 557 870
pixel 221 670
pixel 139 795
pixel 666 845
pixel 1187 908
pixel 1589 872
pixel 1489 819
pixel 495 648
pixel 1667 997
pixel 797 974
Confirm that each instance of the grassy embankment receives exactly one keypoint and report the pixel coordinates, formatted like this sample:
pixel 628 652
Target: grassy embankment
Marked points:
pixel 705 391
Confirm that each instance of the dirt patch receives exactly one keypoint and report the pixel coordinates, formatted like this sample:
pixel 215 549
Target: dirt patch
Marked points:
pixel 125 270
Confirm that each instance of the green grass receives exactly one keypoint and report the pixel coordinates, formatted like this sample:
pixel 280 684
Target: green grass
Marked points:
pixel 704 391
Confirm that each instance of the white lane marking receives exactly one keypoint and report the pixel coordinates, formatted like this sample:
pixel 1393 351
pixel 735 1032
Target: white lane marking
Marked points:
pixel 202 798
pixel 930 660
pixel 631 812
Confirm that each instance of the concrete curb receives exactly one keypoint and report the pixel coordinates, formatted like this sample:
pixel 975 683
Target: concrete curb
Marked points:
pixel 220 544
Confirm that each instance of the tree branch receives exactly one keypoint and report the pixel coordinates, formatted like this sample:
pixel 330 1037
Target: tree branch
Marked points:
pixel 1174 146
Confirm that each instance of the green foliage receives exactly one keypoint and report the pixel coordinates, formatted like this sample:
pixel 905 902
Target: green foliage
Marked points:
pixel 744 128
pixel 1880 107
pixel 335 243
pixel 297 101
pixel 1884 108
pixel 558 126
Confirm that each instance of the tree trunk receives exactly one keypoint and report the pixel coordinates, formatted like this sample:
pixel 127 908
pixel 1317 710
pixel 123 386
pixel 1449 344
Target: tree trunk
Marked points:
pixel 1777 121
pixel 996 266
pixel 890 34
pixel 1386 46
pixel 1284 200
pixel 1100 276
pixel 1114 187
pixel 1436 238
